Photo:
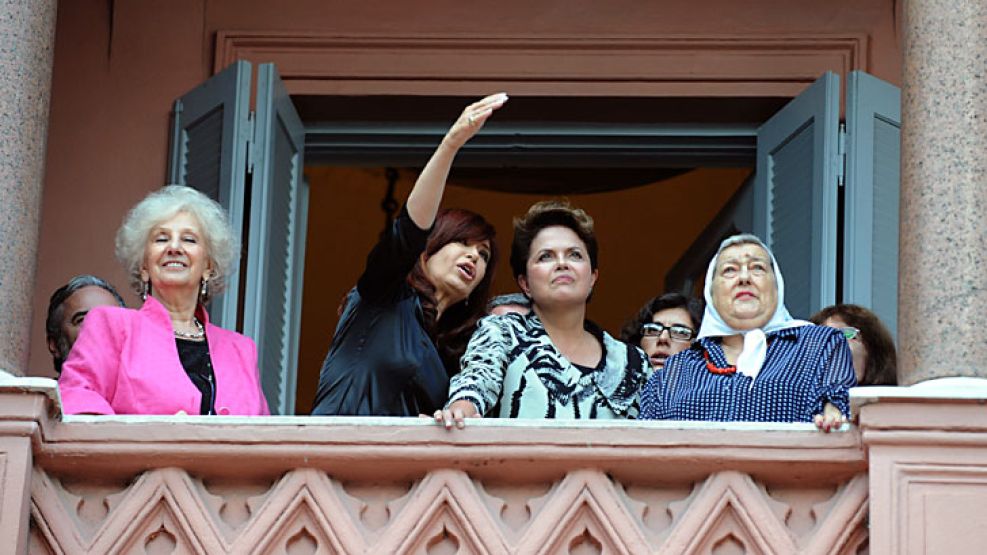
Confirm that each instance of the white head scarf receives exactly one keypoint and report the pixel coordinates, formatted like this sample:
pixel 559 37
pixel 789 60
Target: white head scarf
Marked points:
pixel 755 341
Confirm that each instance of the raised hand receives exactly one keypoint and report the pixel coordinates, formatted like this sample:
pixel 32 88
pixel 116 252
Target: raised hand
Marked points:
pixel 426 196
pixel 472 119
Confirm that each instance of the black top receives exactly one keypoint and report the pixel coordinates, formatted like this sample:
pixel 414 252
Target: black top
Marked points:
pixel 195 359
pixel 382 361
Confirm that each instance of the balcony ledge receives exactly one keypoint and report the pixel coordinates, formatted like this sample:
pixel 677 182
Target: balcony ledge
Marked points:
pixel 407 446
pixel 96 484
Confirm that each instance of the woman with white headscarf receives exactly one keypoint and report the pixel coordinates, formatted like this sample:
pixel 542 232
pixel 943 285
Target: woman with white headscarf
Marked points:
pixel 752 361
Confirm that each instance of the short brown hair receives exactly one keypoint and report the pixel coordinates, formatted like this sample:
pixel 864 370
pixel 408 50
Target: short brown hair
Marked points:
pixel 882 360
pixel 548 213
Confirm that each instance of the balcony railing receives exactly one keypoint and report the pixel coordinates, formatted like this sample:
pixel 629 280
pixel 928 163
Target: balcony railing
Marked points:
pixel 132 484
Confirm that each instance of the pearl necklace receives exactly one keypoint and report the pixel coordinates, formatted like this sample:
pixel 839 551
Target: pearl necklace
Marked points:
pixel 199 333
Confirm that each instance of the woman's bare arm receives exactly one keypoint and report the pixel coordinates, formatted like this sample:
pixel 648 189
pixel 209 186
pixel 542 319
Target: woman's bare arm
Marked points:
pixel 425 198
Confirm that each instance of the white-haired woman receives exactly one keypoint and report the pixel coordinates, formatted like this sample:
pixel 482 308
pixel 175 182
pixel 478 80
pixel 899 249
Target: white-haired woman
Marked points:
pixel 753 361
pixel 166 358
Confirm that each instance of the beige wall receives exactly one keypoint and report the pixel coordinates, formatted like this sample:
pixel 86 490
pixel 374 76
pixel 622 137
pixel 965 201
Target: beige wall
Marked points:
pixel 113 88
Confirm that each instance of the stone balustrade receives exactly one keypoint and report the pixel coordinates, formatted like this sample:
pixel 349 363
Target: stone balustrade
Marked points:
pixel 127 484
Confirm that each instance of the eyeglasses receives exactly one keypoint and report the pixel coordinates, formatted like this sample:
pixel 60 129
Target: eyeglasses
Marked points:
pixel 675 331
pixel 850 332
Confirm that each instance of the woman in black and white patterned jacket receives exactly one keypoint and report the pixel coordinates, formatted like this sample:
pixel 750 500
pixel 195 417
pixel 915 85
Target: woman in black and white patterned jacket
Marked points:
pixel 551 363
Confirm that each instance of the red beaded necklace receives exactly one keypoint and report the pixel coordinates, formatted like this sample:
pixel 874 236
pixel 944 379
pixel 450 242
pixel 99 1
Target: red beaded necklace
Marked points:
pixel 715 369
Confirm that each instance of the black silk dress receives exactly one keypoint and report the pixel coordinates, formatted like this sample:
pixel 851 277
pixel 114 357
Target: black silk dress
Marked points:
pixel 382 361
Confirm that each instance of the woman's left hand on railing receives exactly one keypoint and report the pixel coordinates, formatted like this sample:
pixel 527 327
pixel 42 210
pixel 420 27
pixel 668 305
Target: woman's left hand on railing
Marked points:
pixel 830 419
pixel 457 413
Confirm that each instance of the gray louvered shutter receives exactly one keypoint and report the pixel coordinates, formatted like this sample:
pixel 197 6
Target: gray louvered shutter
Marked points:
pixel 278 206
pixel 210 131
pixel 795 194
pixel 870 248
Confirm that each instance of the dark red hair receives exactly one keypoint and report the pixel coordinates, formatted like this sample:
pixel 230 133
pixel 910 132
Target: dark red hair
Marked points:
pixel 882 359
pixel 453 330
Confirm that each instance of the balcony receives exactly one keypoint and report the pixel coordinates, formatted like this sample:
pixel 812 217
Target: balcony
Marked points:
pixel 84 484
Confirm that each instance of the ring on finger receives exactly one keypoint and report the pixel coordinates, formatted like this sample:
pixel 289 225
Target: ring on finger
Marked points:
pixel 470 119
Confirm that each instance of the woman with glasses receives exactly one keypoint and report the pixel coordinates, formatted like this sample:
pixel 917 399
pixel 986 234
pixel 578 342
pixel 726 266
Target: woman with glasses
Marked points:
pixel 753 361
pixel 664 326
pixel 551 362
pixel 875 361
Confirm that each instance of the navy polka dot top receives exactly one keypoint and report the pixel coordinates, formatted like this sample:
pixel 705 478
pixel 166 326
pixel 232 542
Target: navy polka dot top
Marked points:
pixel 805 368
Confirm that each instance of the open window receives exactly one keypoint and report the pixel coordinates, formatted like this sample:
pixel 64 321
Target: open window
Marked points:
pixel 251 162
pixel 804 158
pixel 807 163
pixel 208 152
pixel 795 193
pixel 872 191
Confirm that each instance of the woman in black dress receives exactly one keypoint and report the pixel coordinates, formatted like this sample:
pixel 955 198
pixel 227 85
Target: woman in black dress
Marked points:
pixel 407 321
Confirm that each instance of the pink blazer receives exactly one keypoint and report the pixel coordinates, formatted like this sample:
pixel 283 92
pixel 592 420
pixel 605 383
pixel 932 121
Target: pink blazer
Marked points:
pixel 126 361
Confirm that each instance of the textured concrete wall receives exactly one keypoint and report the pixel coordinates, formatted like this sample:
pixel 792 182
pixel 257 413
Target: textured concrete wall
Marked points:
pixel 942 298
pixel 27 29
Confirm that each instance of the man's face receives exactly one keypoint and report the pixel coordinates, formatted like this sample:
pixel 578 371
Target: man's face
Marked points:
pixel 74 311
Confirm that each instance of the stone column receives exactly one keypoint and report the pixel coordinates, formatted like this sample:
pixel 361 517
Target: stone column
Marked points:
pixel 27 37
pixel 942 292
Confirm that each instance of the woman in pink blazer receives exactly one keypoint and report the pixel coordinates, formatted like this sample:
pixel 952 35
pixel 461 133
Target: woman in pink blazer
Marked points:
pixel 166 358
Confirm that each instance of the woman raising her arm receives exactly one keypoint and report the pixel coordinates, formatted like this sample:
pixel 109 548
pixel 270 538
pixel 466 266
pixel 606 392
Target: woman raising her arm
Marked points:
pixel 406 323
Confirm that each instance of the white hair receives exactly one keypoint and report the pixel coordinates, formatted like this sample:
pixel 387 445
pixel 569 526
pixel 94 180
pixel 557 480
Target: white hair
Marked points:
pixel 221 243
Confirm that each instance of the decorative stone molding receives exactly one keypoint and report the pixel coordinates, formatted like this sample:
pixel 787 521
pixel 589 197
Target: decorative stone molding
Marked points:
pixel 349 485
pixel 445 511
pixel 927 446
pixel 699 66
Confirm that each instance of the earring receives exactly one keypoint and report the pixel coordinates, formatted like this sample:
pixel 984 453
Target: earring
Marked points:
pixel 145 289
pixel 204 290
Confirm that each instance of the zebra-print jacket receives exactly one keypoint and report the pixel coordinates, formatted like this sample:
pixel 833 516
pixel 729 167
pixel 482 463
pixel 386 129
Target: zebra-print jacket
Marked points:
pixel 511 369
